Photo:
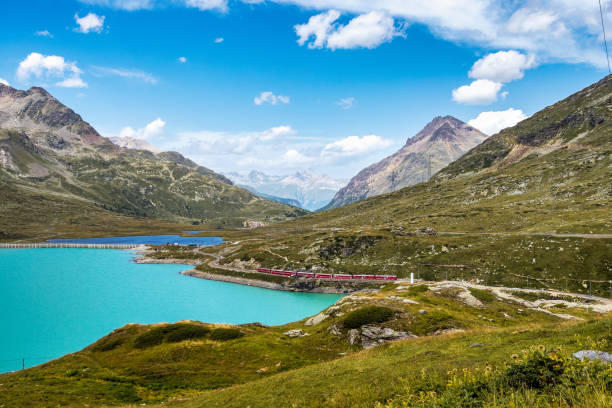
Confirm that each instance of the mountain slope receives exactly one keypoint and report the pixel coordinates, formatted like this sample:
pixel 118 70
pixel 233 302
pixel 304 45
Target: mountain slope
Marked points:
pixel 549 173
pixel 311 190
pixel 48 148
pixel 441 142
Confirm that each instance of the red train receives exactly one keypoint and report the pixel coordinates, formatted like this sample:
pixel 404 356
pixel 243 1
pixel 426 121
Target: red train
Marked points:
pixel 338 276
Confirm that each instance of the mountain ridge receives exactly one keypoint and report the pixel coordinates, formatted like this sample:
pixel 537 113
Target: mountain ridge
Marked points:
pixel 47 147
pixel 441 141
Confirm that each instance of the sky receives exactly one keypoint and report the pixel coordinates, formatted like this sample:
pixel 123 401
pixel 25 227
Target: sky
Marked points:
pixel 286 85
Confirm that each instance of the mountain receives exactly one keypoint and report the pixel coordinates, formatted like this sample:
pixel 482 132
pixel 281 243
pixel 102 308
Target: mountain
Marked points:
pixel 134 143
pixel 441 142
pixel 549 173
pixel 288 201
pixel 47 149
pixel 311 190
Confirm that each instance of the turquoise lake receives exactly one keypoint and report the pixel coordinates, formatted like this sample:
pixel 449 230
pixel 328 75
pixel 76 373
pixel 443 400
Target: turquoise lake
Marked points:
pixel 57 301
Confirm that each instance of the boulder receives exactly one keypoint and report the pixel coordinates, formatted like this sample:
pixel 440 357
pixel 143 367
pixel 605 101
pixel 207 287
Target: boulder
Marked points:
pixel 296 333
pixel 372 336
pixel 334 330
pixel 353 336
pixel 314 320
pixel 594 355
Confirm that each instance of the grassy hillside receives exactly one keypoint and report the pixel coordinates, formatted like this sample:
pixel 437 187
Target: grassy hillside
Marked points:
pixel 176 362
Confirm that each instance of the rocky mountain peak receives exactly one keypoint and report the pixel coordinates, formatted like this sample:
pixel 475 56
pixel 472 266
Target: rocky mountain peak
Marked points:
pixel 440 142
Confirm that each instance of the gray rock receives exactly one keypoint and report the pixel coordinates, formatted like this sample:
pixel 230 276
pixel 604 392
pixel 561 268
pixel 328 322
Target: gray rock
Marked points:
pixel 353 336
pixel 314 320
pixel 334 330
pixel 372 336
pixel 476 345
pixel 594 355
pixel 422 311
pixel 296 333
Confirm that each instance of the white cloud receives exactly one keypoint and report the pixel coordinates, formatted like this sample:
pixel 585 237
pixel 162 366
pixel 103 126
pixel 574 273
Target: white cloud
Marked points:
pixel 50 67
pixel 89 23
pixel 364 31
pixel 502 66
pixel 74 82
pixel 354 146
pixel 44 33
pixel 4 82
pixel 227 143
pixel 126 73
pixel 525 20
pixel 219 40
pixel 479 92
pixel 554 30
pixel 220 5
pixel 493 121
pixel 182 60
pixel 154 128
pixel 271 98
pixel 346 103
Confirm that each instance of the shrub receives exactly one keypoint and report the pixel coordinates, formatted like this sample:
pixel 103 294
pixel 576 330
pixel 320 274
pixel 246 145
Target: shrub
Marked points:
pixel 222 334
pixel 186 332
pixel 367 315
pixel 150 338
pixel 171 333
pixel 107 344
pixel 482 295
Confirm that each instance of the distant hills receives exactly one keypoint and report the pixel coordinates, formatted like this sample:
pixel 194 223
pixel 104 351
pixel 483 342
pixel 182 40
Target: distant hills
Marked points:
pixel 312 191
pixel 48 151
pixel 442 141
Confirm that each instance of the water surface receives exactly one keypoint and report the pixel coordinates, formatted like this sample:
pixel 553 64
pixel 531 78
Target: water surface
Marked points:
pixel 56 301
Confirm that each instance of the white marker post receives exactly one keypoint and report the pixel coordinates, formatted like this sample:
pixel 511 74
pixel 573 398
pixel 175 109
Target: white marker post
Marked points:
pixel 411 277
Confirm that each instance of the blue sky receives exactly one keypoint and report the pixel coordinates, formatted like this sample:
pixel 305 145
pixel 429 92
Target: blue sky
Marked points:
pixel 284 85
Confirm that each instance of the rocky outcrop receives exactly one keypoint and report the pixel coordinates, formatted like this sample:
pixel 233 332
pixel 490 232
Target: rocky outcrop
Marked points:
pixel 296 333
pixel 594 355
pixel 441 142
pixel 372 336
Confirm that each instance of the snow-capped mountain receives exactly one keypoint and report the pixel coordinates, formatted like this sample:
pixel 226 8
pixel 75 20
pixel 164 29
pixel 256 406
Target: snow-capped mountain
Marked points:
pixel 311 190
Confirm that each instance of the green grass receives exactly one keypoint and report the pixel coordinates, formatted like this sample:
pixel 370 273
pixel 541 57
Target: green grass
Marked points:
pixel 389 375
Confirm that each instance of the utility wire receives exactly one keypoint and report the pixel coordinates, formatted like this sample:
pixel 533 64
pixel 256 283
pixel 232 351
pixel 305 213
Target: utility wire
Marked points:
pixel 603 27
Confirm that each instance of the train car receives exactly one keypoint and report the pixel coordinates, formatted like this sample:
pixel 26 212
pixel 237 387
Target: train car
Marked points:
pixel 305 275
pixel 342 276
pixel 324 276
pixel 263 270
pixel 391 277
pixel 369 277
pixel 277 272
pixel 288 273
pixel 358 276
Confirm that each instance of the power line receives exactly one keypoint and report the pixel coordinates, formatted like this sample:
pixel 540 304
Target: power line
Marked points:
pixel 603 27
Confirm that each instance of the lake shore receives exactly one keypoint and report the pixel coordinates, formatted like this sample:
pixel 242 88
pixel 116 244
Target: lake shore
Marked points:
pixel 302 285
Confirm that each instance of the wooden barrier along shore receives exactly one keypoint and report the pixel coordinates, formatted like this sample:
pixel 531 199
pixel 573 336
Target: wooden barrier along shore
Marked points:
pixel 69 245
